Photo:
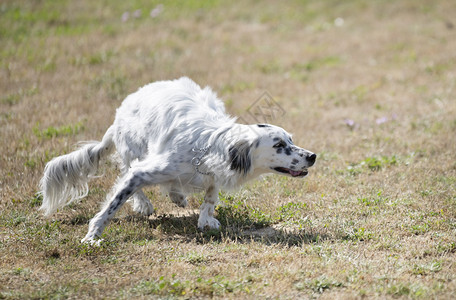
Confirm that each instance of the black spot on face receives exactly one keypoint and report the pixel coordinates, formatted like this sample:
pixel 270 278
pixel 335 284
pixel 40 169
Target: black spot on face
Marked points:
pixel 288 151
pixel 240 157
pixel 276 139
pixel 263 125
pixel 294 161
pixel 279 150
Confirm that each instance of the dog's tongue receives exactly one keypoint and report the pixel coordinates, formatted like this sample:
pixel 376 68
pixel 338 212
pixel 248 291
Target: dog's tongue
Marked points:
pixel 294 173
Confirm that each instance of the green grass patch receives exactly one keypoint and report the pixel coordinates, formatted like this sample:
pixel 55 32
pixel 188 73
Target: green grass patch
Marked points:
pixel 13 218
pixel 319 285
pixel 292 211
pixel 376 200
pixel 398 290
pixel 236 213
pixel 162 286
pixel 195 258
pixel 15 98
pixel 426 269
pixel 359 234
pixel 10 99
pixel 36 200
pixel 420 228
pixel 315 64
pixel 52 132
pixel 373 164
pixel 175 287
pixel 113 83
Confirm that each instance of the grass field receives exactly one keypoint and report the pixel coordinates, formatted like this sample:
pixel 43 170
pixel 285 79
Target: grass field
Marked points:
pixel 367 85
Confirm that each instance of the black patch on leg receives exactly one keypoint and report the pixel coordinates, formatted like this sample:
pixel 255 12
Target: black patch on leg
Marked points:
pixel 115 205
pixel 120 200
pixel 240 159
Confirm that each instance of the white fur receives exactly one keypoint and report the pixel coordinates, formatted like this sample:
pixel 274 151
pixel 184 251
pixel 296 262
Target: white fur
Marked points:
pixel 160 132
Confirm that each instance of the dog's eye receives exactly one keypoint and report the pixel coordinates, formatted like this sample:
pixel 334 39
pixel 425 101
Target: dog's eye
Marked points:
pixel 280 144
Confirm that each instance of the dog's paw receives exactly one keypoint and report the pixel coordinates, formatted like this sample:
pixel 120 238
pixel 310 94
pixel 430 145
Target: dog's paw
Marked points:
pixel 144 208
pixel 182 203
pixel 91 241
pixel 210 222
pixel 178 199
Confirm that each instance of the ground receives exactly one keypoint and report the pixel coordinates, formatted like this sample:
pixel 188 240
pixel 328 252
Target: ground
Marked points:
pixel 367 85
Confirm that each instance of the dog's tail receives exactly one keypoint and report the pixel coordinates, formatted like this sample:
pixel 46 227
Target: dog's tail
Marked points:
pixel 65 177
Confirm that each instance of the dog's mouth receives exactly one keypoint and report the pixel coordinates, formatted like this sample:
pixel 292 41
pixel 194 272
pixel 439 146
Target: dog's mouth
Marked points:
pixel 293 173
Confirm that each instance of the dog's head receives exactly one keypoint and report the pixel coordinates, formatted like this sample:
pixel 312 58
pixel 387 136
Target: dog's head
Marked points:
pixel 271 149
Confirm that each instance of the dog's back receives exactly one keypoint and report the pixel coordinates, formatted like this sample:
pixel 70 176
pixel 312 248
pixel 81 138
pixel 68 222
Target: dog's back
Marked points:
pixel 161 111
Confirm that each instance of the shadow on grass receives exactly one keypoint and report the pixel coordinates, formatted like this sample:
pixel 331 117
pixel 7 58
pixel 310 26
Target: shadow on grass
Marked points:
pixel 233 229
pixel 237 225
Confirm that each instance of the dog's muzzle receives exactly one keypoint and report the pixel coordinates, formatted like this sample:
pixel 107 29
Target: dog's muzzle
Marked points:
pixel 311 159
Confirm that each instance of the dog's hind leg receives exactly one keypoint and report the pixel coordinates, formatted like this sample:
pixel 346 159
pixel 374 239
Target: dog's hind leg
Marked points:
pixel 135 179
pixel 141 204
pixel 139 201
pixel 177 196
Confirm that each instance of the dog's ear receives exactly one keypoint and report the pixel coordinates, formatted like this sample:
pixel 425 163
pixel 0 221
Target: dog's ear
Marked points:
pixel 240 158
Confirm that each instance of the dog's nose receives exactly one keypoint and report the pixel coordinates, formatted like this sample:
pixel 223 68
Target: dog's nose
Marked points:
pixel 311 159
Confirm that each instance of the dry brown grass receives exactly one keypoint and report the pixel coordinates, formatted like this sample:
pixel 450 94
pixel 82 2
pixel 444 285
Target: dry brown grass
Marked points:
pixel 375 98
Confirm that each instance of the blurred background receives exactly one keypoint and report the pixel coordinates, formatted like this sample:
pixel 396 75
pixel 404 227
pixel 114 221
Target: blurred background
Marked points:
pixel 329 64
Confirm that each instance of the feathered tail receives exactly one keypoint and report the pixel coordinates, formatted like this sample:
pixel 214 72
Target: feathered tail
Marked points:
pixel 65 177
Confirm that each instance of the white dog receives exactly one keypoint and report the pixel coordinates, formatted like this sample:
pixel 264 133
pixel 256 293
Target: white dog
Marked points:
pixel 177 135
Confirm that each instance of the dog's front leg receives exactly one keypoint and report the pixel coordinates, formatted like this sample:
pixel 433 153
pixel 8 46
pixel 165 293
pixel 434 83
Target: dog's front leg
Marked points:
pixel 206 217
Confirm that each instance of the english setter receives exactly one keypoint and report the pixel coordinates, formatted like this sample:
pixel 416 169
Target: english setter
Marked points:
pixel 176 135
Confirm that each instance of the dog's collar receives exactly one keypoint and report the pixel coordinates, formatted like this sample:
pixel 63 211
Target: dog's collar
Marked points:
pixel 197 160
